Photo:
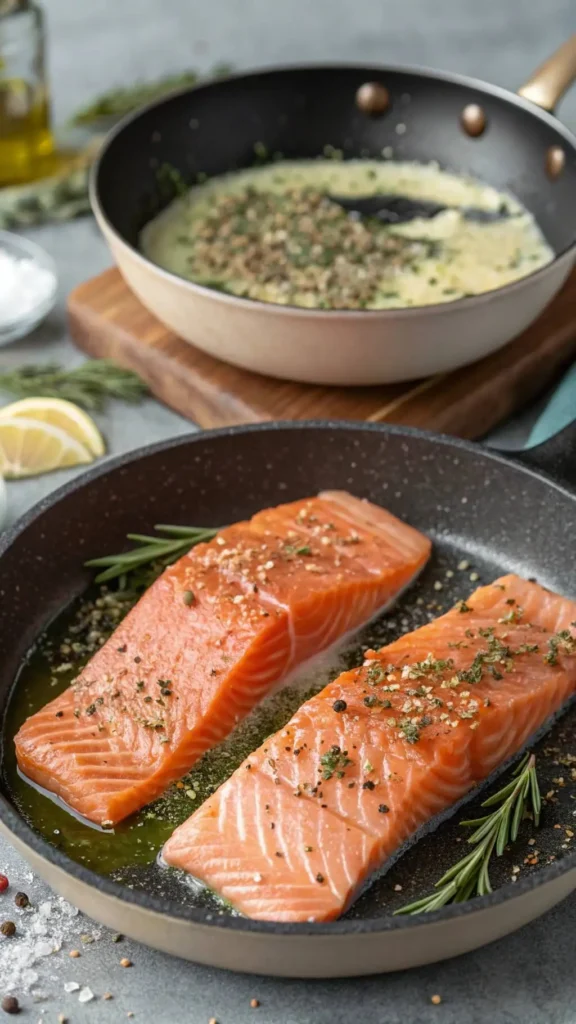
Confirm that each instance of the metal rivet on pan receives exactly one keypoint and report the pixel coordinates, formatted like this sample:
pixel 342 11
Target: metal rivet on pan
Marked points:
pixel 555 161
pixel 473 120
pixel 373 98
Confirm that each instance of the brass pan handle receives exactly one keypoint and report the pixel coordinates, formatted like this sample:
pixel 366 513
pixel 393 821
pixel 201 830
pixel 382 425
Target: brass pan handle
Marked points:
pixel 551 80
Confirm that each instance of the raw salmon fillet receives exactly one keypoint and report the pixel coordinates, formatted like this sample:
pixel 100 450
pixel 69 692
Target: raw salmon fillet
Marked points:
pixel 210 638
pixel 299 828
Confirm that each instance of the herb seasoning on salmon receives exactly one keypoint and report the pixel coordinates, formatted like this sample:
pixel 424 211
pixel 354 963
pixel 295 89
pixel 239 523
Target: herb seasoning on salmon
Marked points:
pixel 176 676
pixel 485 688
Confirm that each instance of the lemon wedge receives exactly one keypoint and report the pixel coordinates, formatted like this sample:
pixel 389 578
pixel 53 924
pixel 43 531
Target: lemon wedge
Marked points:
pixel 29 447
pixel 59 413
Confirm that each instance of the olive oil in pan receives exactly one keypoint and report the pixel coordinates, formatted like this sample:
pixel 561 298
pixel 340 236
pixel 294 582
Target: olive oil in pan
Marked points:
pixel 129 853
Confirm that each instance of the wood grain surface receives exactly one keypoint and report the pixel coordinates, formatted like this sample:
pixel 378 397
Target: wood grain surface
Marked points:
pixel 107 320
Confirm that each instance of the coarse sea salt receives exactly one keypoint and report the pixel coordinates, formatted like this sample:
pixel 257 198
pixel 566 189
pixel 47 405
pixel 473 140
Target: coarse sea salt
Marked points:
pixel 41 931
pixel 24 285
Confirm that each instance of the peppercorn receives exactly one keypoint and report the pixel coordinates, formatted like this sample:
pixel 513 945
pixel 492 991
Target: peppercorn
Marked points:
pixel 8 928
pixel 254 1003
pixel 21 899
pixel 4 883
pixel 125 962
pixel 339 705
pixel 10 1004
pixel 188 597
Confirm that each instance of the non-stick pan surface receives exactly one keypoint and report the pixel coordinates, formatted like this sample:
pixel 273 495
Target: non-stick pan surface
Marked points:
pixel 297 112
pixel 474 504
pixel 307 112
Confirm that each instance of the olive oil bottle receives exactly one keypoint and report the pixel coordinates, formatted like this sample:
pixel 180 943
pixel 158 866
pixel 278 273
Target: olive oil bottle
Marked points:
pixel 26 142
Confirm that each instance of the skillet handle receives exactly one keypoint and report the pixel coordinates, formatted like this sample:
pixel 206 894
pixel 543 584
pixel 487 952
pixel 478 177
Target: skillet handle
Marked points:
pixel 556 457
pixel 551 80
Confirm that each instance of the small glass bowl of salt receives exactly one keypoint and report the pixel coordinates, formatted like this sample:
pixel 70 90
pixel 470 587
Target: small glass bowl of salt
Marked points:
pixel 28 284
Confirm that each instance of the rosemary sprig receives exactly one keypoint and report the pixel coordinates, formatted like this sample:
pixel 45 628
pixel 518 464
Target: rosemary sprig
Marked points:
pixel 159 550
pixel 470 876
pixel 117 102
pixel 88 385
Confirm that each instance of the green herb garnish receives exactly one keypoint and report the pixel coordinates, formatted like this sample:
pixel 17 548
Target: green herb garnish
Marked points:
pixel 470 876
pixel 88 385
pixel 117 102
pixel 409 730
pixel 375 674
pixel 560 643
pixel 334 760
pixel 160 550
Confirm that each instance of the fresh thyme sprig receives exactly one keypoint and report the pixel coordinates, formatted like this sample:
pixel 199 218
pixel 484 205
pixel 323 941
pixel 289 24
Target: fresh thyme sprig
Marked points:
pixel 159 550
pixel 470 876
pixel 88 385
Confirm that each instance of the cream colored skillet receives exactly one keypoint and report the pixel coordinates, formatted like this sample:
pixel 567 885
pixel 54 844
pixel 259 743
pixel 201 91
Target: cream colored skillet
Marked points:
pixel 475 504
pixel 512 142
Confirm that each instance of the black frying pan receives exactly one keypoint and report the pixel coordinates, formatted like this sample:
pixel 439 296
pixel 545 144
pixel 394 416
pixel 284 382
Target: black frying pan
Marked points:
pixel 501 515
pixel 509 141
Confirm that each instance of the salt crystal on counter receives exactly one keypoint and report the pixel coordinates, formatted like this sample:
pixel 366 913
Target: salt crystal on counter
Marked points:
pixel 42 930
pixel 86 995
pixel 24 285
pixel 71 986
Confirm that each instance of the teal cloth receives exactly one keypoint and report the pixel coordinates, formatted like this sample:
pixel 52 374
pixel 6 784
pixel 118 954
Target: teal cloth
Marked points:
pixel 559 411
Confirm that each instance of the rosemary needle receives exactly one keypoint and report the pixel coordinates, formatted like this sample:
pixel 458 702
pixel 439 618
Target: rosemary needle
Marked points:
pixel 492 833
pixel 150 549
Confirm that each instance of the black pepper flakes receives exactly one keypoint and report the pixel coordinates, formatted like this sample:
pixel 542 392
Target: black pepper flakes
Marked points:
pixel 339 706
pixel 383 808
pixel 320 878
pixel 189 598
pixel 369 784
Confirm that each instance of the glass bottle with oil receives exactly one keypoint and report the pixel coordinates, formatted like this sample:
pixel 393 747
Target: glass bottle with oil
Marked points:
pixel 26 142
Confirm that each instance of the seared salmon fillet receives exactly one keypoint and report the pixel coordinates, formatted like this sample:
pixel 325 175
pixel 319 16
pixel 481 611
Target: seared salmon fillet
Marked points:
pixel 297 831
pixel 210 638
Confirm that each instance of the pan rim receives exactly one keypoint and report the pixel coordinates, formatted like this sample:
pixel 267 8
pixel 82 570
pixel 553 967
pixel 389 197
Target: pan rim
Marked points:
pixel 25 834
pixel 433 309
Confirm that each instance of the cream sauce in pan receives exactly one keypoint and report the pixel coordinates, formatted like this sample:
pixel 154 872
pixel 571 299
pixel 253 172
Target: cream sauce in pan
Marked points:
pixel 270 233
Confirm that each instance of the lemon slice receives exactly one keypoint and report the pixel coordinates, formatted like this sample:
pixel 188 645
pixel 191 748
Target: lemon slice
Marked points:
pixel 29 447
pixel 59 413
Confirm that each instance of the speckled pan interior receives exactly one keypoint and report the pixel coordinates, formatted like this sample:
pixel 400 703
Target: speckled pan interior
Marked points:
pixel 498 514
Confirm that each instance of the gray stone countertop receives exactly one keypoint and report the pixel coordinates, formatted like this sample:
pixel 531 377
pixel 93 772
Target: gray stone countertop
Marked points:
pixel 527 978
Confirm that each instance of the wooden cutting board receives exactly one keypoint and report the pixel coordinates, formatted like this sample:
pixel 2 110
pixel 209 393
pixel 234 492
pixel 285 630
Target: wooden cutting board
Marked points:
pixel 107 320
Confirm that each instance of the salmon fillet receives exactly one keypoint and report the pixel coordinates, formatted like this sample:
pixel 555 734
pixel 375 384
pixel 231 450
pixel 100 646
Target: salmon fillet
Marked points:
pixel 210 638
pixel 297 831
